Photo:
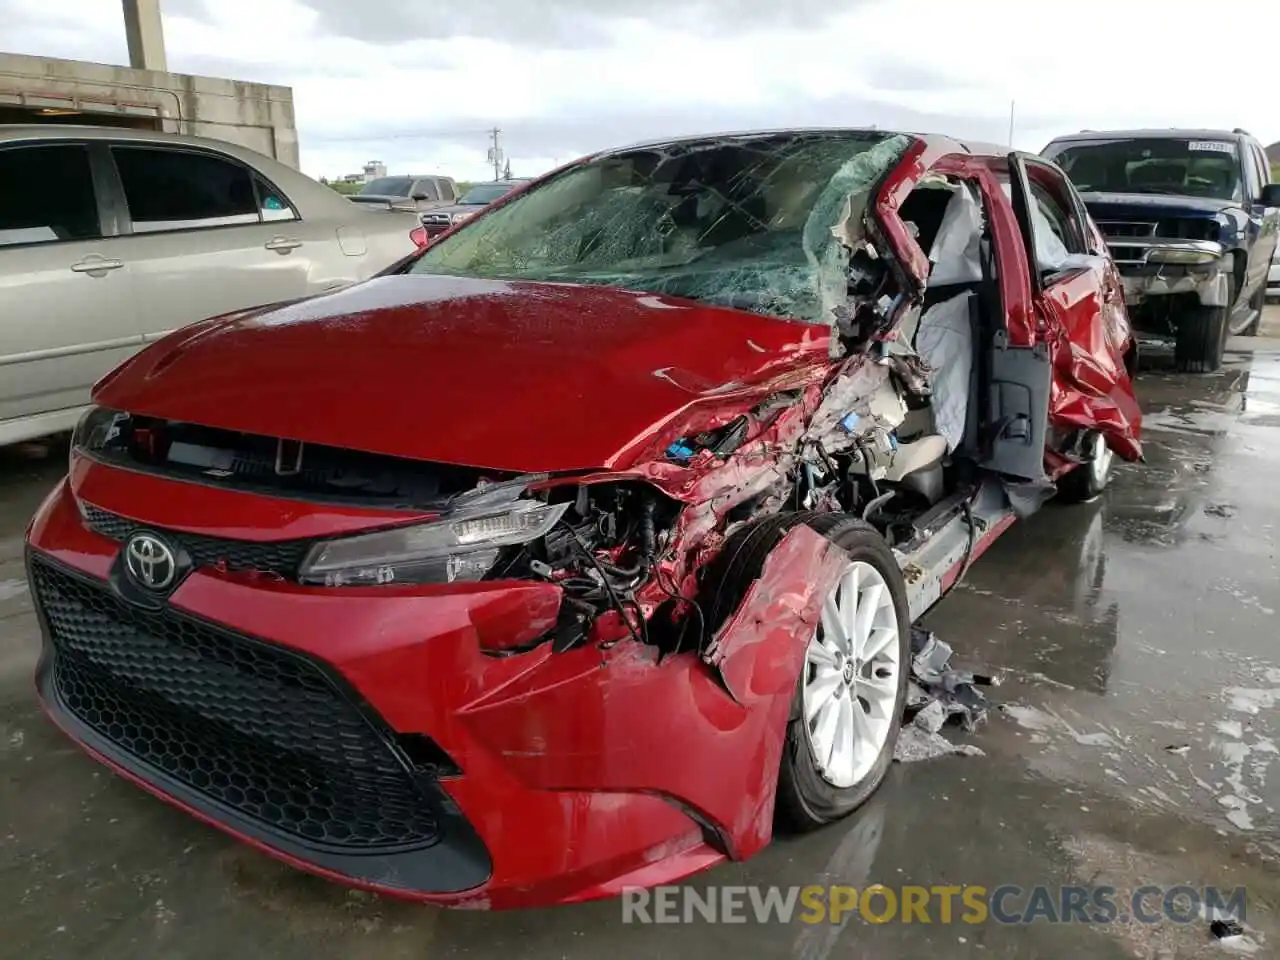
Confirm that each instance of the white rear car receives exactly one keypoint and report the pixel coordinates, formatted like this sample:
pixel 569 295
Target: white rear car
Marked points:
pixel 111 238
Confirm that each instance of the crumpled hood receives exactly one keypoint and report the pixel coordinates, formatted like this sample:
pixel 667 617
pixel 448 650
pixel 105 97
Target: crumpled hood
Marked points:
pixel 519 377
pixel 1107 206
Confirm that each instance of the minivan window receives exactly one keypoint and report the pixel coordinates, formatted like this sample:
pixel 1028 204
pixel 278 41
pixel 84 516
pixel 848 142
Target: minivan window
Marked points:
pixel 55 201
pixel 179 190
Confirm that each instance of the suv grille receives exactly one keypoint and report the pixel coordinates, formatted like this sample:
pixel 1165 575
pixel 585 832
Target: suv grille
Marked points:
pixel 1116 229
pixel 282 557
pixel 254 727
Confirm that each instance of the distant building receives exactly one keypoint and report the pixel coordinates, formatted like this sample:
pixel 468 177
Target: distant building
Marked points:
pixel 354 178
pixel 44 90
pixel 374 169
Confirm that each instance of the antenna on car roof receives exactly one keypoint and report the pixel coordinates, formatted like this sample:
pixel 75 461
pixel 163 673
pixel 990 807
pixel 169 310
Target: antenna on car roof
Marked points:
pixel 1242 131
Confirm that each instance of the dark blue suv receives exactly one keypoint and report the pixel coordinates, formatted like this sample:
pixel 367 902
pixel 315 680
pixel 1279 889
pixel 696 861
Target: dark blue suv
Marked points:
pixel 1192 219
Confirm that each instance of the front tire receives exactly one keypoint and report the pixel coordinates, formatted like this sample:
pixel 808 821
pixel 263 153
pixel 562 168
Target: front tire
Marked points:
pixel 1202 339
pixel 1087 481
pixel 849 698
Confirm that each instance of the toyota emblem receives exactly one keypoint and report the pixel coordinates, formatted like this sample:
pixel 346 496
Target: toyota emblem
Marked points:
pixel 150 561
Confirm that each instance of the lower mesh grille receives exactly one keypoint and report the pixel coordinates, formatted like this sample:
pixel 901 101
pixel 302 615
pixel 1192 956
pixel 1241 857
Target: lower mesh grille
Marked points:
pixel 252 726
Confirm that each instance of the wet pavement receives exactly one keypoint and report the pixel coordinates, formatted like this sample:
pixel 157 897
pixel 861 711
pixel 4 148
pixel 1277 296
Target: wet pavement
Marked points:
pixel 1138 640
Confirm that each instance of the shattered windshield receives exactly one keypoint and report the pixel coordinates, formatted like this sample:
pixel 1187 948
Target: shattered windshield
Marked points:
pixel 750 222
pixel 1192 168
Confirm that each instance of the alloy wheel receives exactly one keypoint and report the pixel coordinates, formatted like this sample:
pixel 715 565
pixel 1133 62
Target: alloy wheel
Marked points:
pixel 852 676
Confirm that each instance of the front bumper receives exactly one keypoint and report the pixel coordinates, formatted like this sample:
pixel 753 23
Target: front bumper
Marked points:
pixel 1209 283
pixel 549 778
pixel 436 224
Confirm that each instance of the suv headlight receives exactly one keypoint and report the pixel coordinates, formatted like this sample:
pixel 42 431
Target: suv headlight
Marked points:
pixel 460 216
pixel 461 546
pixel 1188 253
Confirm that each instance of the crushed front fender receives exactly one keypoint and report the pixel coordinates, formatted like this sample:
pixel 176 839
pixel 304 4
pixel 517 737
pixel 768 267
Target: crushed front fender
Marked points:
pixel 705 736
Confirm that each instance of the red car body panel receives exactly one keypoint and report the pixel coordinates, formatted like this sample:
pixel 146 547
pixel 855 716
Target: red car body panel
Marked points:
pixel 579 743
pixel 589 769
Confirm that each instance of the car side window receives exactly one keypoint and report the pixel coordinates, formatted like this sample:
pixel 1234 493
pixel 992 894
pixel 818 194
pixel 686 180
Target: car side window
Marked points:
pixel 181 190
pixel 272 204
pixel 428 189
pixel 64 208
pixel 1264 168
pixel 1253 176
pixel 1054 218
pixel 1053 230
pixel 447 191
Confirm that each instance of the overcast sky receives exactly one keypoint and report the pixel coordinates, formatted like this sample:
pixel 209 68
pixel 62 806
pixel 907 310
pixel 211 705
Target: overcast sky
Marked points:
pixel 417 83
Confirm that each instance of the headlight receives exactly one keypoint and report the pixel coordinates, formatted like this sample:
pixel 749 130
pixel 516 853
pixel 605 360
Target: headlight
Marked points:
pixel 1193 253
pixel 461 546
pixel 460 216
pixel 97 428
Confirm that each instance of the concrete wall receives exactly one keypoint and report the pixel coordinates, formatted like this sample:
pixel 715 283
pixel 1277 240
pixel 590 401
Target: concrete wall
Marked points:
pixel 255 115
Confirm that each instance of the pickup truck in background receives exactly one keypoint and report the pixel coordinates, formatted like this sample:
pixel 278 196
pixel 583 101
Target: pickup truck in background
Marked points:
pixel 411 192
pixel 440 219
pixel 1191 218
pixel 148 232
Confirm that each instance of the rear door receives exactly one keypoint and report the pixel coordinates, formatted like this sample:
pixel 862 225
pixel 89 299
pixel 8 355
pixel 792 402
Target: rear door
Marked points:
pixel 207 235
pixel 1080 306
pixel 67 310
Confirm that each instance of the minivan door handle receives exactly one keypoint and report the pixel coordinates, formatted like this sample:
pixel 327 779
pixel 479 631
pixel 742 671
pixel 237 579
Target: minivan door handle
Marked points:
pixel 282 245
pixel 96 266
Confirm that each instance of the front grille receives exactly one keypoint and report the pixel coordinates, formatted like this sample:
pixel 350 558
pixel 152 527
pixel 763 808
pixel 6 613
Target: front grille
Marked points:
pixel 1188 229
pixel 1117 229
pixel 1127 255
pixel 252 726
pixel 282 557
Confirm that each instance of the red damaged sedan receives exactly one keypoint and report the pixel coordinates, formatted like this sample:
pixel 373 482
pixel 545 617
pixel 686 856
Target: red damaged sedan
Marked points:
pixel 582 548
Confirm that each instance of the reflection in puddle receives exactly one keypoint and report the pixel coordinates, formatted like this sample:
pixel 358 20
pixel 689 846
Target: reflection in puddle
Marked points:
pixel 1193 429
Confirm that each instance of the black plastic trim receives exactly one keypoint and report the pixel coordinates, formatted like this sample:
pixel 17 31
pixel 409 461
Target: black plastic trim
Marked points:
pixel 456 862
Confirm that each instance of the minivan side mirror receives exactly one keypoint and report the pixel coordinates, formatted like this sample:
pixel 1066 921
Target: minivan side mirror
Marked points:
pixel 1270 195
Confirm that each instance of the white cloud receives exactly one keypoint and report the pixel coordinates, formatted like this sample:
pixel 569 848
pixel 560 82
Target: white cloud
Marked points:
pixel 425 99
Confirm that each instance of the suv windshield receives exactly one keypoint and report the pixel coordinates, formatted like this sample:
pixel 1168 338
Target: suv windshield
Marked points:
pixel 486 193
pixel 741 221
pixel 1196 168
pixel 388 187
